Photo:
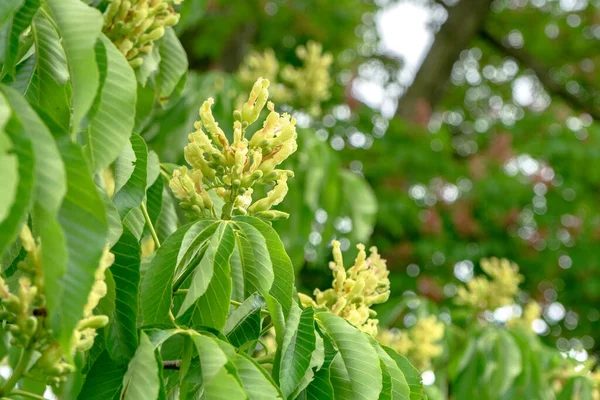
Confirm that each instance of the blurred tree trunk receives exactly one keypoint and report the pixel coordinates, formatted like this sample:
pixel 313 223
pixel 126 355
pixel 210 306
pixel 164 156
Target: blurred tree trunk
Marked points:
pixel 463 24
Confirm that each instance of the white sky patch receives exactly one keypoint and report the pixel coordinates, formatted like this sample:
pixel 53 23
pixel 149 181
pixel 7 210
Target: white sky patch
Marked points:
pixel 404 33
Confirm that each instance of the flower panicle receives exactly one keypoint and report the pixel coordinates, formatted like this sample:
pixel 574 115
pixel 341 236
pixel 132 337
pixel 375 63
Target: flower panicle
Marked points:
pixel 230 169
pixel 500 289
pixel 25 314
pixel 134 25
pixel 356 289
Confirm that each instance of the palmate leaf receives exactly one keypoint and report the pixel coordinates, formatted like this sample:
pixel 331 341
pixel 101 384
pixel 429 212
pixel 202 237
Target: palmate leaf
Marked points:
pixel 23 149
pixel 132 193
pixel 399 389
pixel 157 285
pixel 411 374
pixel 122 339
pixel 217 379
pixel 210 286
pixel 283 272
pixel 20 22
pixel 256 381
pixel 85 241
pixel 356 371
pixel 244 323
pixel 173 65
pixel 7 9
pixel 79 26
pixel 48 91
pixel 297 347
pixel 142 379
pixel 113 119
pixel 266 267
pixel 104 381
pixel 9 164
pixel 50 189
pixel 507 364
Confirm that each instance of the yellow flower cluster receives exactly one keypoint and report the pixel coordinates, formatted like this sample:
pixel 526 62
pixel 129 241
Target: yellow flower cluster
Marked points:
pixel 231 169
pixel 356 290
pixel 306 86
pixel 420 343
pixel 134 25
pixel 264 64
pixel 531 312
pixel 487 294
pixel 25 312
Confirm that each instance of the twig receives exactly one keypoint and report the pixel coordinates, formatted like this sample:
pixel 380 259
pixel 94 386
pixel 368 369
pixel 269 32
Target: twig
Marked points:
pixel 172 364
pixel 150 226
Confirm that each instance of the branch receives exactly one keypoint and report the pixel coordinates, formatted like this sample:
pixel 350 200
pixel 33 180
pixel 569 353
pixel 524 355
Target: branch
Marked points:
pixel 463 24
pixel 172 364
pixel 543 74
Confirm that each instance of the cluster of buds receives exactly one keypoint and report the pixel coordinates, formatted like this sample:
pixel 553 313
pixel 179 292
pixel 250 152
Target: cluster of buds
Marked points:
pixel 311 83
pixel 420 343
pixel 354 291
pixel 230 170
pixel 134 25
pixel 25 315
pixel 481 293
pixel 305 87
pixel 264 64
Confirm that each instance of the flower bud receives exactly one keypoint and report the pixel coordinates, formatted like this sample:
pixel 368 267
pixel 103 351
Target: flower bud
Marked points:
pixel 256 101
pixel 272 215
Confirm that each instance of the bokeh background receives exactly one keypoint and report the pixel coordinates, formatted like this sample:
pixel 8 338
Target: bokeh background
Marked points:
pixel 453 131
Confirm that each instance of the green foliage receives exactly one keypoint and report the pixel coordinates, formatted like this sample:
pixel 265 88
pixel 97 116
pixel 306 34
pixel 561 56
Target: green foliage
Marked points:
pixel 189 305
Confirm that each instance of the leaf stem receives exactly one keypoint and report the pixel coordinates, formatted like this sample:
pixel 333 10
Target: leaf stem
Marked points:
pixel 18 371
pixel 268 359
pixel 27 394
pixel 266 329
pixel 150 226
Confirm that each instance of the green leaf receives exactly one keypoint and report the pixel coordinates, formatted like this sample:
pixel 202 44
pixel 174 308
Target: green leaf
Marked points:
pixel 577 388
pixel 399 389
pixel 132 193
pixel 122 339
pixel 363 204
pixel 297 347
pixel 256 262
pixel 357 356
pixel 23 149
pixel 157 284
pixel 411 374
pixel 255 380
pixel 79 26
pixel 386 379
pixel 18 25
pixel 7 10
pixel 104 381
pixel 244 323
pixel 115 228
pixel 112 123
pixel 51 73
pixel 213 266
pixel 217 380
pixel 51 187
pixel 507 364
pixel 85 241
pixel 283 284
pixel 173 65
pixel 9 164
pixel 141 381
